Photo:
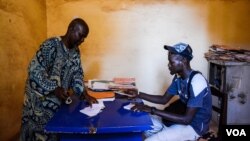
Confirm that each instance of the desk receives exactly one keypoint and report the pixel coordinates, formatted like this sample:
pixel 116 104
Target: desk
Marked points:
pixel 113 123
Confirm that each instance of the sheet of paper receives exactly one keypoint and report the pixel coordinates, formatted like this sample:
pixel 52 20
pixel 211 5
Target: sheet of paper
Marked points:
pixel 100 85
pixel 129 106
pixel 94 110
pixel 106 99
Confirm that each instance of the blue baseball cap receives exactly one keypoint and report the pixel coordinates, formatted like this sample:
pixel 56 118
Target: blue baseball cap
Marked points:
pixel 182 49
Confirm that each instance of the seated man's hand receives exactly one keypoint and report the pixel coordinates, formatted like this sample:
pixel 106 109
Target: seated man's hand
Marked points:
pixel 141 107
pixel 131 93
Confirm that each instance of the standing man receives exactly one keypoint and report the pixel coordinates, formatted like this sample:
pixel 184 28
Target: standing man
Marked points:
pixel 54 70
pixel 194 93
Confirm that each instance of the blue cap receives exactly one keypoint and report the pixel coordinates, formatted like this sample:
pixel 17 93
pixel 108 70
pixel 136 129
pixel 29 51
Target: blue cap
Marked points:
pixel 182 49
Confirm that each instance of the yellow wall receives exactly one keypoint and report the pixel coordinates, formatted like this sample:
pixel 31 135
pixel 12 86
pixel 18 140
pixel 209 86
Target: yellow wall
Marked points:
pixel 126 39
pixel 23 27
pixel 229 23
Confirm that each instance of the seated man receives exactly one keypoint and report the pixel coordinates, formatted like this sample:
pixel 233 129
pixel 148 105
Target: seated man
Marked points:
pixel 194 94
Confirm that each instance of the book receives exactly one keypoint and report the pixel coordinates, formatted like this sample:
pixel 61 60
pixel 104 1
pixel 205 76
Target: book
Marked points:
pixel 118 83
pixel 99 85
pixel 123 93
pixel 123 83
pixel 114 86
pixel 101 94
pixel 124 80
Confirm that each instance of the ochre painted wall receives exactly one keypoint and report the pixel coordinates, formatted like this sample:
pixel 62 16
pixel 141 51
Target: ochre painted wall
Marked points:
pixel 126 39
pixel 23 27
pixel 229 23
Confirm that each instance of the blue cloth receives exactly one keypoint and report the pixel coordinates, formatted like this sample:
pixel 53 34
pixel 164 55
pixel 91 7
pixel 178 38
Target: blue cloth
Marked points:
pixel 200 97
pixel 52 66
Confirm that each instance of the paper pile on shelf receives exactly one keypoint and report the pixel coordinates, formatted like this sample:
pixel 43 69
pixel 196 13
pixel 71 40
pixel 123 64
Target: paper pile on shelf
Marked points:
pixel 226 53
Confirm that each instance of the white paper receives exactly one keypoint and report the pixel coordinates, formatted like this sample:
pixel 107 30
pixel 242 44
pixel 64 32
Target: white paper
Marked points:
pixel 100 85
pixel 94 110
pixel 129 106
pixel 106 99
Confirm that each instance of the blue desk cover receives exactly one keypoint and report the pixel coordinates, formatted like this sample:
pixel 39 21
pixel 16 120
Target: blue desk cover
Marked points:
pixel 113 119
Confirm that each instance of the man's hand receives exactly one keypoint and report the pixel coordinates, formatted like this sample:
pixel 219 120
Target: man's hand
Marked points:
pixel 133 93
pixel 61 93
pixel 141 107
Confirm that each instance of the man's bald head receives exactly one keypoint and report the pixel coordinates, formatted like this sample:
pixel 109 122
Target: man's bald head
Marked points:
pixel 78 22
pixel 77 31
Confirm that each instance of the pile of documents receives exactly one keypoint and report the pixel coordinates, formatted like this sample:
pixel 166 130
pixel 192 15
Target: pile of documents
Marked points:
pixel 116 84
pixel 226 53
pixel 104 90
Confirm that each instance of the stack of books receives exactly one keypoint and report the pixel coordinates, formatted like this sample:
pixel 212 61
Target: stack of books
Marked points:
pixel 122 83
pixel 99 85
pixel 227 53
pixel 118 83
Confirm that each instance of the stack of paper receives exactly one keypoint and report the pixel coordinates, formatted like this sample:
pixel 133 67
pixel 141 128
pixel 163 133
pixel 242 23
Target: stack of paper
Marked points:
pixel 227 53
pixel 123 83
pixel 116 84
pixel 124 80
